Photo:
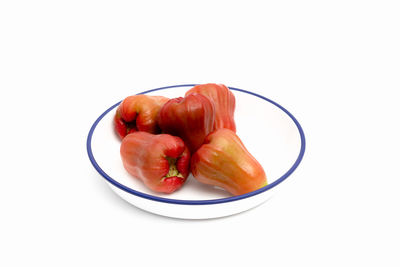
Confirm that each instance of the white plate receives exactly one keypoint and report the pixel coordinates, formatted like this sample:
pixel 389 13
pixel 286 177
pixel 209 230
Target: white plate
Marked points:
pixel 270 133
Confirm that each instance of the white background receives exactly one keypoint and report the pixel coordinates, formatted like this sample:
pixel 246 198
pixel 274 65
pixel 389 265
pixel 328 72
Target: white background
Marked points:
pixel 334 64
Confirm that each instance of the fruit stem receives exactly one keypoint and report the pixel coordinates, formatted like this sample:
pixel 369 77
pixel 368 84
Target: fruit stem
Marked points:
pixel 173 171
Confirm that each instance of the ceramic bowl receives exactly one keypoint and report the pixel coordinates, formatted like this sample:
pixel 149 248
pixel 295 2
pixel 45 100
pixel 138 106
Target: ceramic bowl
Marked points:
pixel 269 132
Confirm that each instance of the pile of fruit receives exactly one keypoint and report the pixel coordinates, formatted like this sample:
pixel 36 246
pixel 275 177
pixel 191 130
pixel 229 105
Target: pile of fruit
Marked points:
pixel 163 140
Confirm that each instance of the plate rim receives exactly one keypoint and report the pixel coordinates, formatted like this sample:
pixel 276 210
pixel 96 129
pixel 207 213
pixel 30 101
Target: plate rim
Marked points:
pixel 196 202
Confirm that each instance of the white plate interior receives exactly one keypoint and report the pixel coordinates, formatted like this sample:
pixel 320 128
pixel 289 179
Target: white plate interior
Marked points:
pixel 269 134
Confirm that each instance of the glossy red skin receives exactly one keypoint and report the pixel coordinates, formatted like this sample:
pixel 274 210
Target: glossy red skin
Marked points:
pixel 144 157
pixel 191 118
pixel 224 161
pixel 224 102
pixel 122 127
pixel 138 113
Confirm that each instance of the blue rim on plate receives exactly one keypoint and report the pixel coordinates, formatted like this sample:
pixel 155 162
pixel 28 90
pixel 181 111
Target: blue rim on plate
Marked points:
pixel 196 202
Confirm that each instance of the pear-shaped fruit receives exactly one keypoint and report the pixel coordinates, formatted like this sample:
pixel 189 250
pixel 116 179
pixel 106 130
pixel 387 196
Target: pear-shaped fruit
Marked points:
pixel 224 161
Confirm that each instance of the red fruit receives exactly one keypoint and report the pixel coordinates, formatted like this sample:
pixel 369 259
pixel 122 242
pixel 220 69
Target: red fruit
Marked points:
pixel 224 161
pixel 160 161
pixel 138 113
pixel 191 118
pixel 224 102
